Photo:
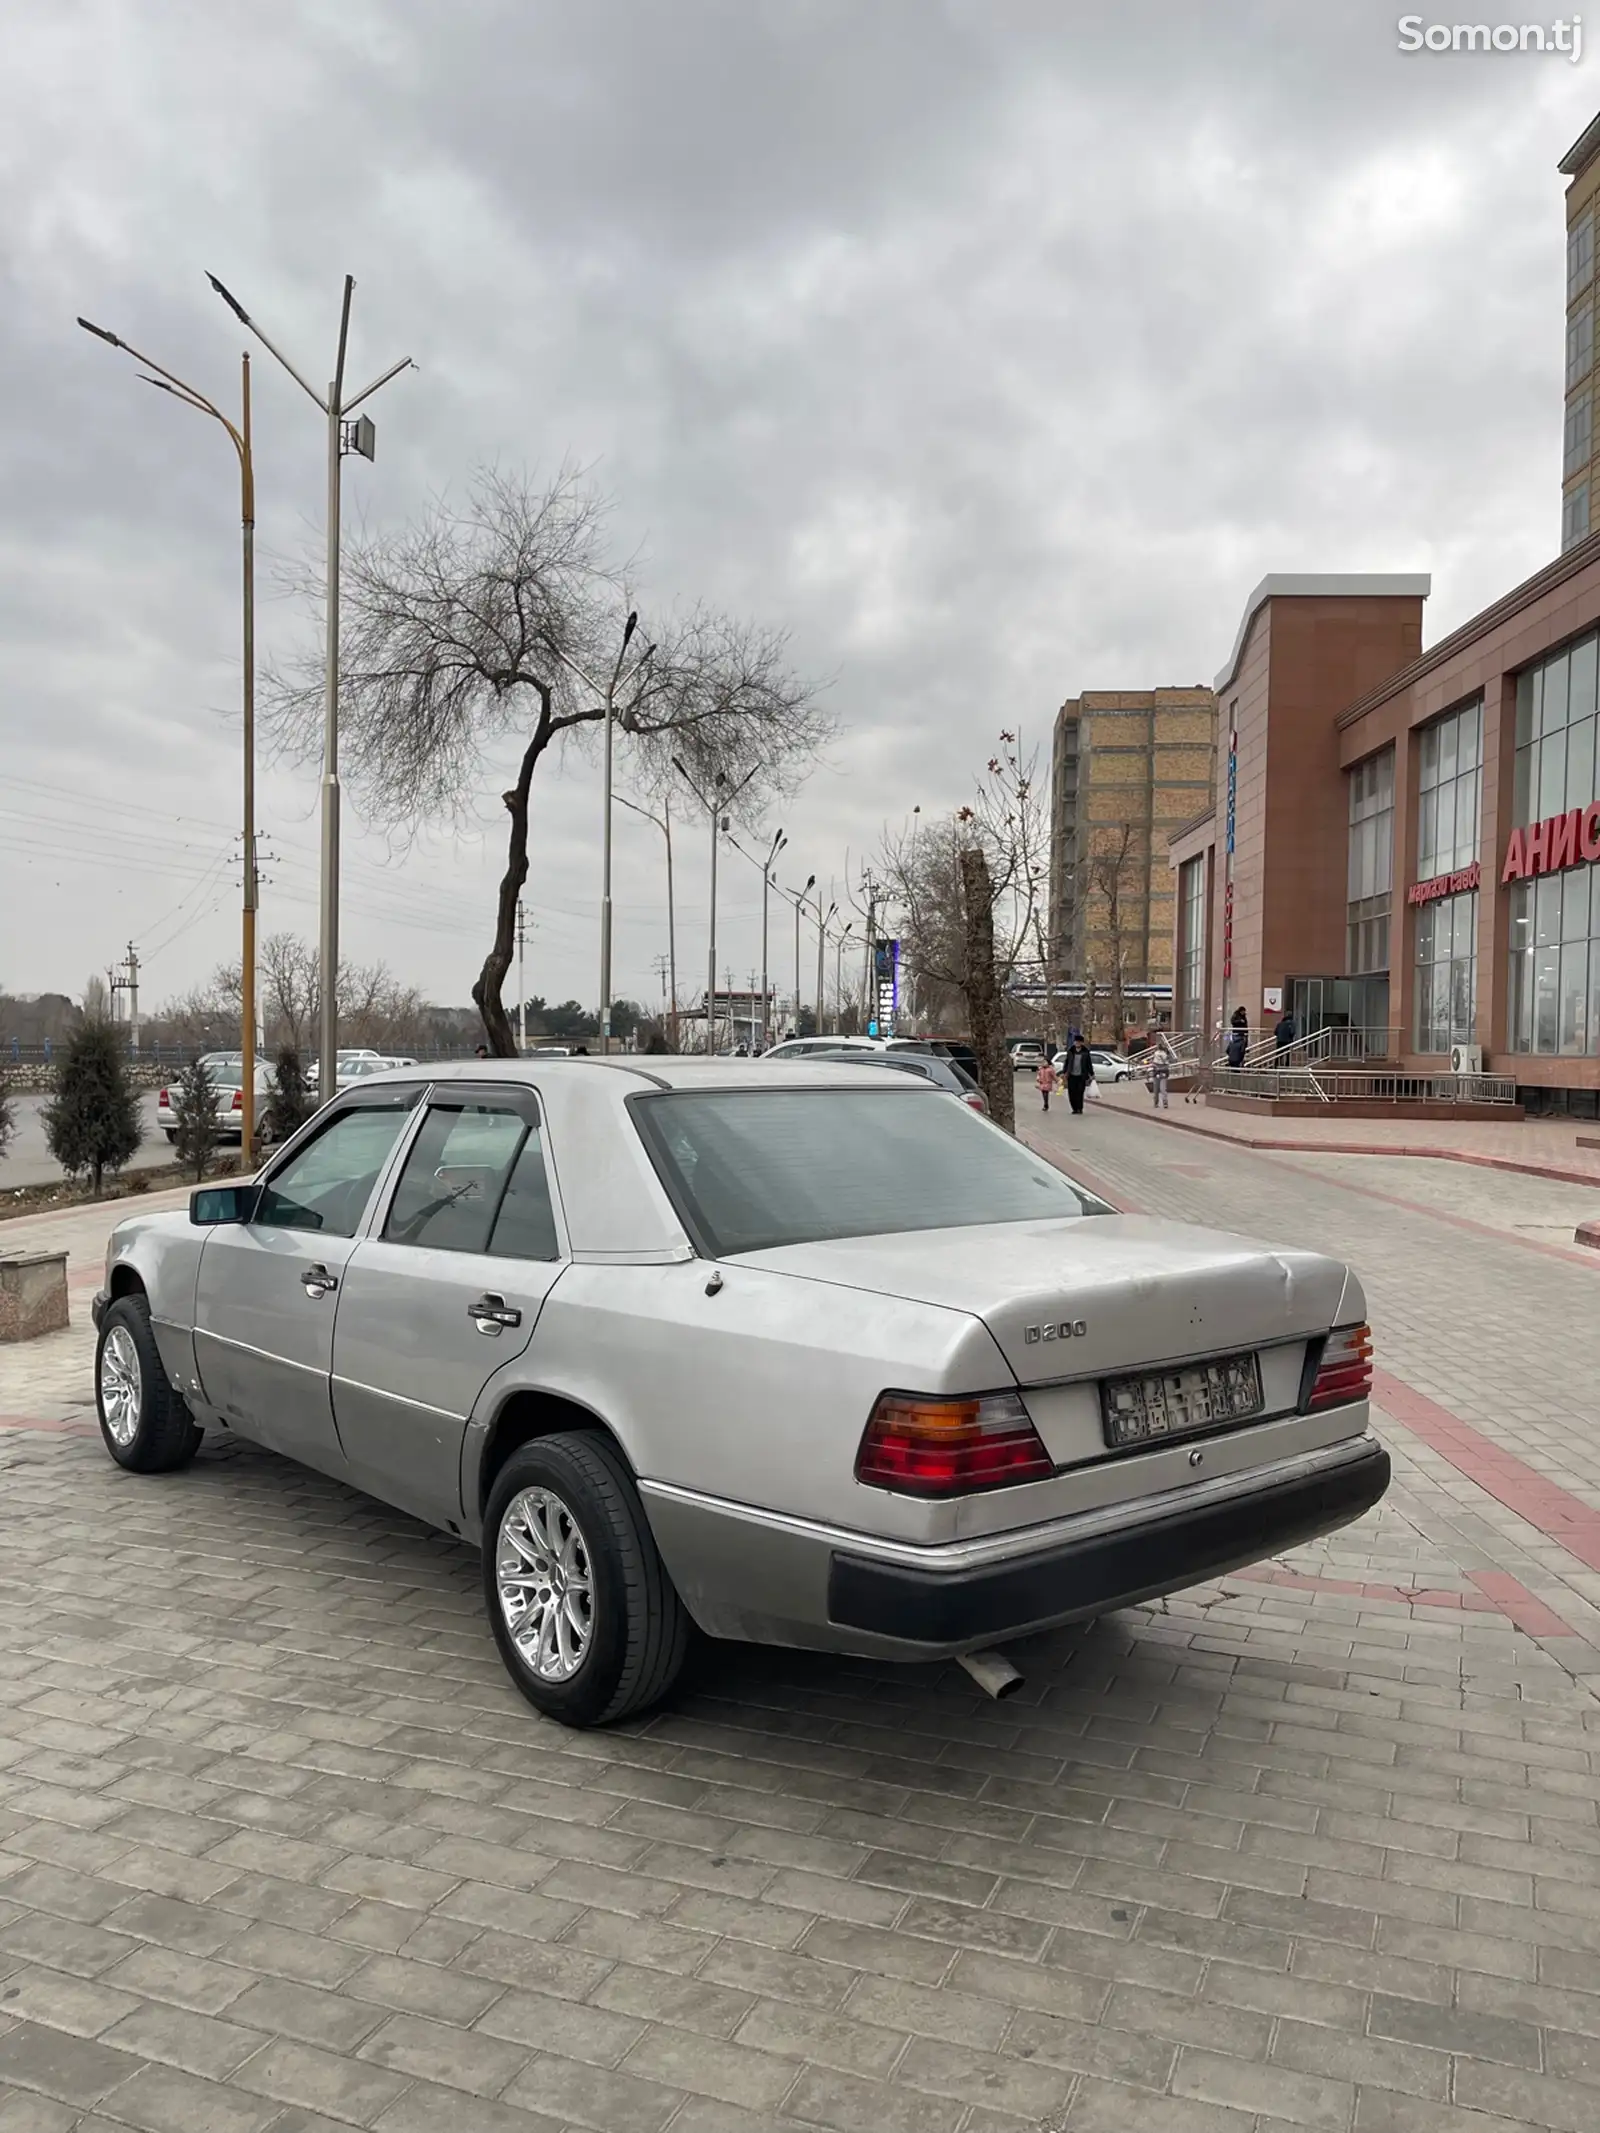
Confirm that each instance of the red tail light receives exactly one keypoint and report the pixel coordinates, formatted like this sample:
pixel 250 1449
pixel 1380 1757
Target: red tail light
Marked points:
pixel 164 1098
pixel 238 1099
pixel 976 1103
pixel 918 1445
pixel 1345 1370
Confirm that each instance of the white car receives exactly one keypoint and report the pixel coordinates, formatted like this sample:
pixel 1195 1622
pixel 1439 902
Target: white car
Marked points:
pixel 350 1065
pixel 227 1079
pixel 799 1355
pixel 1108 1066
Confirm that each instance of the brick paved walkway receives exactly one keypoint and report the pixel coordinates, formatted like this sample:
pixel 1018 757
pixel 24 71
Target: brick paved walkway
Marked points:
pixel 1317 1846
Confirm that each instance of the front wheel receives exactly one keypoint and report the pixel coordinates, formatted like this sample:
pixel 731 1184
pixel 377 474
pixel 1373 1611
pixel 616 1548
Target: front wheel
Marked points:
pixel 587 1621
pixel 143 1421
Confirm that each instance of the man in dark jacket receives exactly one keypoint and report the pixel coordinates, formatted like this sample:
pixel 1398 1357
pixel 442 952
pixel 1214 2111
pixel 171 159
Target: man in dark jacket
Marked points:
pixel 1284 1035
pixel 1238 1037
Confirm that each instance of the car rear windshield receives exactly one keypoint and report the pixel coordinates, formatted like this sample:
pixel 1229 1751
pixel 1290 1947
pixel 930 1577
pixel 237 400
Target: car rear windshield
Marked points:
pixel 753 1169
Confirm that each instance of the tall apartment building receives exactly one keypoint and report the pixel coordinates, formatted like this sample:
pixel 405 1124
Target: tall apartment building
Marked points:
pixel 1580 473
pixel 1129 767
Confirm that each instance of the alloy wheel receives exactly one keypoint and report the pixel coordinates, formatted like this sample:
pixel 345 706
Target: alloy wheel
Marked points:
pixel 121 1386
pixel 545 1585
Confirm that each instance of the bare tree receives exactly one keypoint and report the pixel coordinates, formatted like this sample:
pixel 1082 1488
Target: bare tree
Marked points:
pixel 96 1000
pixel 983 989
pixel 925 874
pixel 1116 870
pixel 504 621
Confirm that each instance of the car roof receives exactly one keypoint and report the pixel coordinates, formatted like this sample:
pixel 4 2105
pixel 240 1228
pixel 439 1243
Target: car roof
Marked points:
pixel 650 1070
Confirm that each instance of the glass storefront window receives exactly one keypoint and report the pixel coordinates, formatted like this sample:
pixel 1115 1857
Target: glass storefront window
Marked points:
pixel 1449 775
pixel 1192 958
pixel 1371 864
pixel 1447 971
pixel 1553 1004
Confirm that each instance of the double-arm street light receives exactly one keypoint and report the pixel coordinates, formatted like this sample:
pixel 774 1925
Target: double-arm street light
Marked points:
pixel 779 840
pixel 663 822
pixel 608 692
pixel 799 898
pixel 722 795
pixel 838 973
pixel 823 919
pixel 165 381
pixel 343 436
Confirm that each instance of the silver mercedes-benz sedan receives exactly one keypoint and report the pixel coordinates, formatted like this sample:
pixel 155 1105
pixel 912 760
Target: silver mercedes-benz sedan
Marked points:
pixel 792 1354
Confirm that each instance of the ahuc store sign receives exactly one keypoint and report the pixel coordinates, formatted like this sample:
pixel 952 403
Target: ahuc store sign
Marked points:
pixel 1554 845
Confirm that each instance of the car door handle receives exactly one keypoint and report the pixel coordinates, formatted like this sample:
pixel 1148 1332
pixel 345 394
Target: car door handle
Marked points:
pixel 318 1282
pixel 490 1313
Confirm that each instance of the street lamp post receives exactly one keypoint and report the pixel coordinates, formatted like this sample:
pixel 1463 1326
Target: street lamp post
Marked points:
pixel 838 973
pixel 663 822
pixel 822 941
pixel 609 707
pixel 165 381
pixel 343 435
pixel 799 904
pixel 722 795
pixel 778 842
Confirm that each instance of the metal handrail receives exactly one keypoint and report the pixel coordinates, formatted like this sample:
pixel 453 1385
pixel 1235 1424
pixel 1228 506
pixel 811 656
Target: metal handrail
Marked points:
pixel 1388 1085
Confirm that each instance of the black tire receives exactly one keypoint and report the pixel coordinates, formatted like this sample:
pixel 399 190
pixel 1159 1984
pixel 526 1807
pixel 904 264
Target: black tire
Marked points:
pixel 155 1434
pixel 638 1630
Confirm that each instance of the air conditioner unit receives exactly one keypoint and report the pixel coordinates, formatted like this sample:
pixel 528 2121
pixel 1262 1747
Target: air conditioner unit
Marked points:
pixel 1466 1059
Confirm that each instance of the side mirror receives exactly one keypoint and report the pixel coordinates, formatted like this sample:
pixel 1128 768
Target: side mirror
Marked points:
pixel 214 1204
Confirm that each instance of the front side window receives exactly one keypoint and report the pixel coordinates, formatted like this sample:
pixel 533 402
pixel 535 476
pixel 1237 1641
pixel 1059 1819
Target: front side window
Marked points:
pixel 475 1181
pixel 325 1186
pixel 751 1170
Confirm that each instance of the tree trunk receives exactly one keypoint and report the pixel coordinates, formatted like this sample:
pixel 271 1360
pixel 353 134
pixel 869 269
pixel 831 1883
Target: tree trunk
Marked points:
pixel 981 985
pixel 486 992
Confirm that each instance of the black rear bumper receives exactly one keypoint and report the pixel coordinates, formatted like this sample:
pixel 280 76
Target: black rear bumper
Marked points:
pixel 1107 1570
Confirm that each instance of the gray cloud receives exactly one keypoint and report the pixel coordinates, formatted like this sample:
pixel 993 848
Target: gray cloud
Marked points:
pixel 995 349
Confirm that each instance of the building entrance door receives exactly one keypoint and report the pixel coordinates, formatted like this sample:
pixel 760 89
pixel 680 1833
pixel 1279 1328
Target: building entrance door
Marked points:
pixel 1350 1016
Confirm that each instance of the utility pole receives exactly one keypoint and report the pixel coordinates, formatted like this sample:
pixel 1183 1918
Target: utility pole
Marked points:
pixel 722 795
pixel 522 985
pixel 133 996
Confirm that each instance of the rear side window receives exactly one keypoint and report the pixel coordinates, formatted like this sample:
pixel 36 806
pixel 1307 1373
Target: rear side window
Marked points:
pixel 475 1181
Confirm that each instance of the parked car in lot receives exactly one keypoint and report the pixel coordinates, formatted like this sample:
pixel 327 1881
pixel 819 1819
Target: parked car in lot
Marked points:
pixel 1108 1065
pixel 1028 1054
pixel 943 1073
pixel 351 1065
pixel 799 1355
pixel 227 1079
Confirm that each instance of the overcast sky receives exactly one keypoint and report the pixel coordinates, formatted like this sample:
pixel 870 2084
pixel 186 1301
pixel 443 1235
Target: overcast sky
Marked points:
pixel 995 348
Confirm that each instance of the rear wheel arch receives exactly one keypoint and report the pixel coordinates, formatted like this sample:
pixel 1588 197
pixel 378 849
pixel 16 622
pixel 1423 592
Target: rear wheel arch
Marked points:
pixel 524 1417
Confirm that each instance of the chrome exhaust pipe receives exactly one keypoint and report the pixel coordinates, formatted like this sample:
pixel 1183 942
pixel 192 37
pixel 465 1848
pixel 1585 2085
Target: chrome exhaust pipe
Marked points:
pixel 993 1672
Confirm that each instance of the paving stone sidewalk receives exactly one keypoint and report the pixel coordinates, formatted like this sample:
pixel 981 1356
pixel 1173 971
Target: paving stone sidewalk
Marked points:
pixel 282 1851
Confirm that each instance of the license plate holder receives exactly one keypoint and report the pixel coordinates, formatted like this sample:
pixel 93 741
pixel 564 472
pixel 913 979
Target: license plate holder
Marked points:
pixel 1153 1407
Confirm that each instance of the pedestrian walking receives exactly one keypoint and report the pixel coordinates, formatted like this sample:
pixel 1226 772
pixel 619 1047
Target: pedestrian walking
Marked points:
pixel 1046 1079
pixel 1284 1035
pixel 1159 1075
pixel 1077 1073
